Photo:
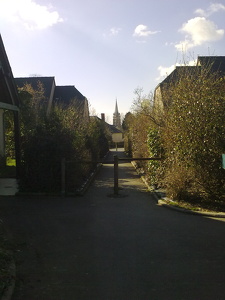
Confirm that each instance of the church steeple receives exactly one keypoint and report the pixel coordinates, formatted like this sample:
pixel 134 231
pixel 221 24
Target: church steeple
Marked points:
pixel 116 117
pixel 116 108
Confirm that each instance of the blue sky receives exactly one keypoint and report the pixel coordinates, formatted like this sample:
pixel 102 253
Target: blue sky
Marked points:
pixel 108 48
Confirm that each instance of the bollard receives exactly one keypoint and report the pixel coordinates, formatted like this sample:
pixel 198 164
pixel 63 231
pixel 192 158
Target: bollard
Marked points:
pixel 116 187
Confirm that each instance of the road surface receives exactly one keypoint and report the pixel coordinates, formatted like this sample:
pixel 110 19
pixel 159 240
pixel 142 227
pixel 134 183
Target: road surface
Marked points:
pixel 101 247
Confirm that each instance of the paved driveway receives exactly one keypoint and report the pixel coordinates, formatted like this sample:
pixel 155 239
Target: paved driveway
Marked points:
pixel 100 247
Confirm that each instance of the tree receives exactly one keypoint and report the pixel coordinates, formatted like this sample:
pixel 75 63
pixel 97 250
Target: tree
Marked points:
pixel 188 130
pixel 141 133
pixel 127 126
pixel 138 123
pixel 46 139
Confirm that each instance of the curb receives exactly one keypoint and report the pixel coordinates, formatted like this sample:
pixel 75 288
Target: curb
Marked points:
pixel 161 202
pixel 86 185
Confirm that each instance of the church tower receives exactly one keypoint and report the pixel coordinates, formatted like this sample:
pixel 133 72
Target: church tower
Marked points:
pixel 116 117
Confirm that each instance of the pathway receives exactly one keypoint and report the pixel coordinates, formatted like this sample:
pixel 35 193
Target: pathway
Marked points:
pixel 101 247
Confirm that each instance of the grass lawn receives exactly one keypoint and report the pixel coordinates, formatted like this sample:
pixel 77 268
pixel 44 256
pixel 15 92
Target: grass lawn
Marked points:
pixel 10 162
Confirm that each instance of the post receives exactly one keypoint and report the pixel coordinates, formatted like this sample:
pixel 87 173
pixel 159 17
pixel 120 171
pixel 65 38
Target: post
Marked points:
pixel 17 143
pixel 63 176
pixel 116 188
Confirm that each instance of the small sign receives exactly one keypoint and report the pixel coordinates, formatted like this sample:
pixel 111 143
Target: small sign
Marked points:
pixel 223 161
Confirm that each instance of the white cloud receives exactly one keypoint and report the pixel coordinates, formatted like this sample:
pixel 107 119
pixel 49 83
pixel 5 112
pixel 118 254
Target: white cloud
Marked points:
pixel 213 8
pixel 143 31
pixel 165 71
pixel 198 31
pixel 112 32
pixel 29 14
pixel 115 31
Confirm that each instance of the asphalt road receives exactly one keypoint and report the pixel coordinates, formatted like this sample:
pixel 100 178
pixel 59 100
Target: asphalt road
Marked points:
pixel 101 247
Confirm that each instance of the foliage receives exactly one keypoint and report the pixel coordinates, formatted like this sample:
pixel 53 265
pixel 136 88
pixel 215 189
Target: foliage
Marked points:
pixel 141 134
pixel 7 162
pixel 46 139
pixel 128 132
pixel 154 150
pixel 187 129
pixel 42 153
pixel 142 103
pixel 9 134
pixel 194 133
pixel 97 138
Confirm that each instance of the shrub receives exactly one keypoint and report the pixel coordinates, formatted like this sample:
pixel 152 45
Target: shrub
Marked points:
pixel 154 150
pixel 48 139
pixel 194 131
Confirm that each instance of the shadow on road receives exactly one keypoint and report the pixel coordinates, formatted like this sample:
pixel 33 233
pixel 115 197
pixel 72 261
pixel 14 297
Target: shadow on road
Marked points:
pixel 113 248
pixel 128 177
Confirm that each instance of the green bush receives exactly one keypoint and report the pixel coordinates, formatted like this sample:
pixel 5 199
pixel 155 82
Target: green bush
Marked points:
pixel 155 150
pixel 45 141
pixel 194 131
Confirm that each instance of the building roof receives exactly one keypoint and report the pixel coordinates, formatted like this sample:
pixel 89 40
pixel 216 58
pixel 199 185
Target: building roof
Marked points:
pixel 116 109
pixel 47 82
pixel 55 94
pixel 8 91
pixel 113 129
pixel 177 73
pixel 65 94
pixel 215 63
pixel 110 127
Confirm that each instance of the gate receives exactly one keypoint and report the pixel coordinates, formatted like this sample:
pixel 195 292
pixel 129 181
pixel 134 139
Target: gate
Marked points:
pixel 116 167
pixel 115 162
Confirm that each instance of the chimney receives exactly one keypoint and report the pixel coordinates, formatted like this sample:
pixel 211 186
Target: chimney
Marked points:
pixel 103 117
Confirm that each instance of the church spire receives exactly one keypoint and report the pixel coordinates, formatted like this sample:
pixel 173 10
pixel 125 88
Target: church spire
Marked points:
pixel 116 109
pixel 116 117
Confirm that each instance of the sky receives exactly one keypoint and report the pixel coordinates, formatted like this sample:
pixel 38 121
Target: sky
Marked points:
pixel 109 48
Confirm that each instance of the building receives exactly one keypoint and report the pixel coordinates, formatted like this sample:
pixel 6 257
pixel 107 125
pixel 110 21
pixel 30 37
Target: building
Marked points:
pixel 53 94
pixel 213 64
pixel 116 118
pixel 48 84
pixel 9 101
pixel 116 135
pixel 161 98
pixel 65 95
